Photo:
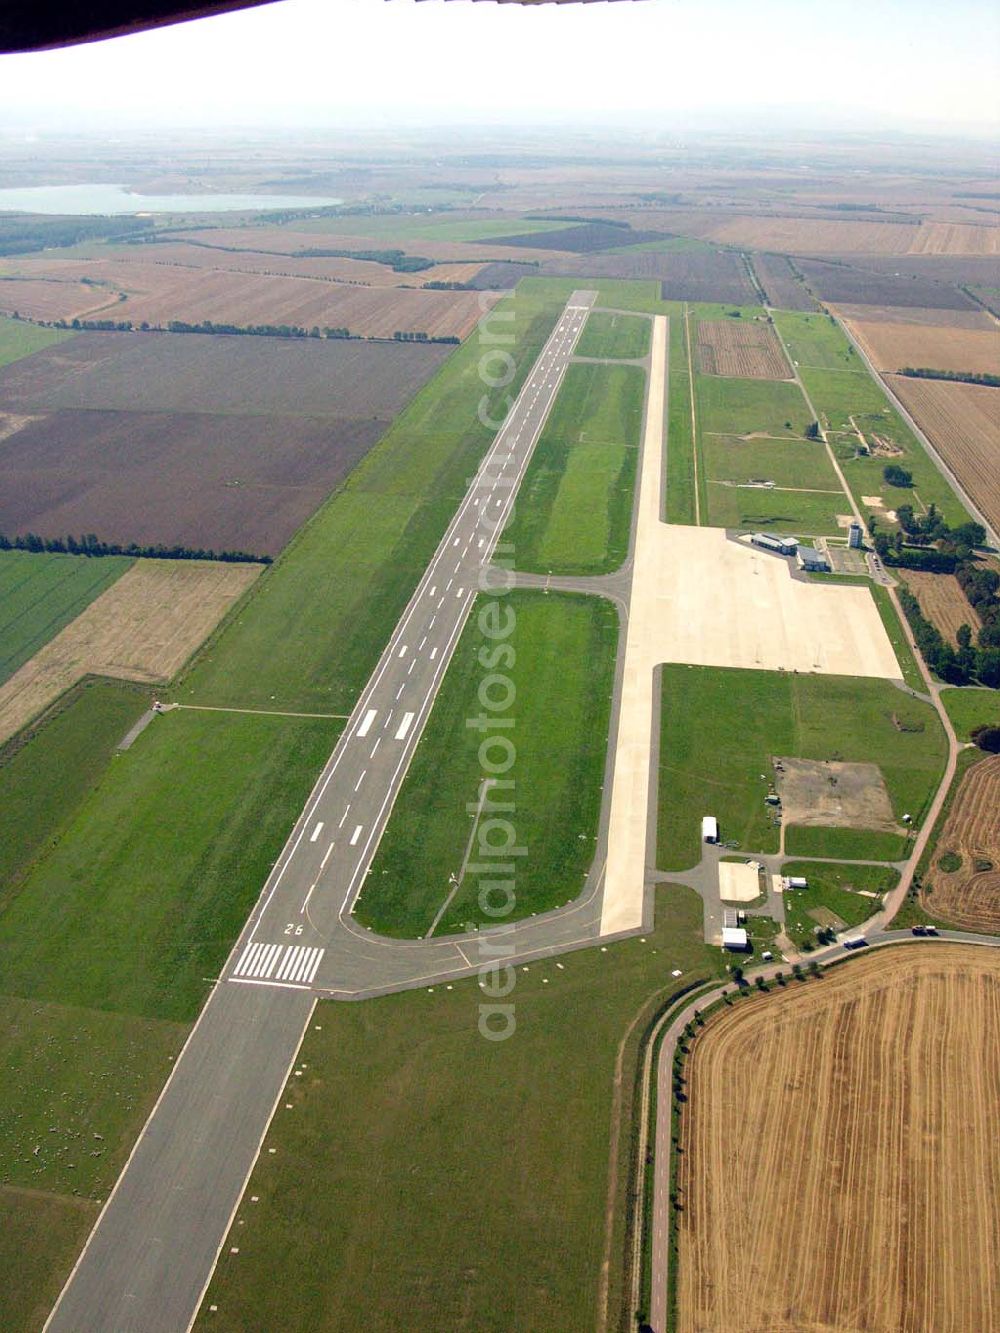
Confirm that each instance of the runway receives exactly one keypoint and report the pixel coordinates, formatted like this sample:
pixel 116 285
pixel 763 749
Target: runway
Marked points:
pixel 150 1256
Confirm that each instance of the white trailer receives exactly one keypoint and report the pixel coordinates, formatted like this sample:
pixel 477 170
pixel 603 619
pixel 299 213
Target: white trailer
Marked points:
pixel 709 828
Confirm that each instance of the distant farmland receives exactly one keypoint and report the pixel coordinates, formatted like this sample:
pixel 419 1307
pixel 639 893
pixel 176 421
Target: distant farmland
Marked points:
pixel 777 277
pixel 697 273
pixel 876 283
pixel 210 442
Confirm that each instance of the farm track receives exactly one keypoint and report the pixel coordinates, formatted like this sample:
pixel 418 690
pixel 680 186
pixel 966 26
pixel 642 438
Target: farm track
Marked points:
pixel 968 898
pixel 853 1186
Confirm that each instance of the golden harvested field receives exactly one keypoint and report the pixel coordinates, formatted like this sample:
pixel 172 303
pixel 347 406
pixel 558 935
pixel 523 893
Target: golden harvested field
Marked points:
pixel 942 601
pixel 840 1171
pixel 43 298
pixel 158 293
pixel 744 348
pixel 809 236
pixel 962 421
pixel 285 241
pixel 894 346
pixel 970 896
pixel 359 272
pixel 955 238
pixel 899 314
pixel 144 627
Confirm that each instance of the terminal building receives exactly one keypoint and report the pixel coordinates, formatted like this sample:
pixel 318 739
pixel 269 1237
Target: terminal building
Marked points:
pixel 779 545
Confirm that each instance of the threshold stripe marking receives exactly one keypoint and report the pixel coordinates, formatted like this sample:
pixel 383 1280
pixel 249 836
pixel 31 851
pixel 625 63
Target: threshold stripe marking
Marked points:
pixel 316 832
pixel 404 726
pixel 369 718
pixel 356 835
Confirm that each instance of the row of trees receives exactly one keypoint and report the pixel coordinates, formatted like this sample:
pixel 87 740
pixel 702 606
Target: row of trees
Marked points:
pixel 21 235
pixel 960 666
pixel 251 330
pixel 960 376
pixel 90 544
pixel 926 541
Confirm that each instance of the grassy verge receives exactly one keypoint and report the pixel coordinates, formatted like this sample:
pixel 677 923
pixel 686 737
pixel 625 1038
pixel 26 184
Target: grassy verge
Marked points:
pixel 848 843
pixel 971 707
pixel 680 447
pixel 803 513
pixel 618 336
pixel 738 407
pixel 40 594
pixel 832 889
pixel 574 508
pixel 310 632
pixel 18 339
pixel 565 650
pixel 720 727
pixel 459 1160
pixel 136 906
pixel 47 772
pixel 84 1083
pixel 899 638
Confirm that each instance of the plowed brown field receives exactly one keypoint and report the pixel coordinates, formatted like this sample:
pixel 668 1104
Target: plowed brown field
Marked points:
pixel 962 421
pixel 144 627
pixel 893 346
pixel 942 601
pixel 749 350
pixel 41 298
pixel 970 897
pixel 901 314
pixel 839 1171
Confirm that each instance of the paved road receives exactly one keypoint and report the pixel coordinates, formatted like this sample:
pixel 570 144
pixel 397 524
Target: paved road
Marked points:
pixel 150 1256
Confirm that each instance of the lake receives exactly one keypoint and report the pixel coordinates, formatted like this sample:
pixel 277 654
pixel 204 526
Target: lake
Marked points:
pixel 104 200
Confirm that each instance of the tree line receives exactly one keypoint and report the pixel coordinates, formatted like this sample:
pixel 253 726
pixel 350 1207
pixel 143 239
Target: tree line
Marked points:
pixel 248 330
pixel 23 235
pixel 957 376
pixel 90 544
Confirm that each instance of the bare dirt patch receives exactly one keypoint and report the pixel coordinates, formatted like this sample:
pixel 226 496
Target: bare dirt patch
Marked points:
pixel 839 1168
pixel 962 421
pixel 897 314
pixel 969 896
pixel 144 627
pixel 942 601
pixel 814 236
pixel 746 349
pixel 826 792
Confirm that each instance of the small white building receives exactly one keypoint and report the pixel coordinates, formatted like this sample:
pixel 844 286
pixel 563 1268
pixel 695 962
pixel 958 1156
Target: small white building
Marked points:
pixel 735 938
pixel 811 561
pixel 709 828
pixel 797 882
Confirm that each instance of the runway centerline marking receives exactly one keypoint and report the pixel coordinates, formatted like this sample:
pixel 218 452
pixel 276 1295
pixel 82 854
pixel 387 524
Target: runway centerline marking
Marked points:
pixel 343 818
pixel 326 857
pixel 360 779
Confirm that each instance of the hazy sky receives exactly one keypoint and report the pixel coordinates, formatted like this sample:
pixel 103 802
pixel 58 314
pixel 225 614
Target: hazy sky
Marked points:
pixel 875 62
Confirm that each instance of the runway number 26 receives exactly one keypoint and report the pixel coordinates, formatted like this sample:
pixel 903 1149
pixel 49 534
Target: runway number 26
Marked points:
pixel 293 929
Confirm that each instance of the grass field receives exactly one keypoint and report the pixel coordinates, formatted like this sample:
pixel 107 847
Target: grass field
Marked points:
pixel 574 509
pixel 865 1103
pixel 719 728
pixel 137 904
pixel 565 649
pixel 18 339
pixel 614 336
pixel 749 407
pixel 469 1185
pixel 311 633
pixel 46 778
pixel 970 708
pixel 40 594
pixel 830 890
pixel 794 463
pixel 803 513
pixel 847 397
pixel 85 1081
